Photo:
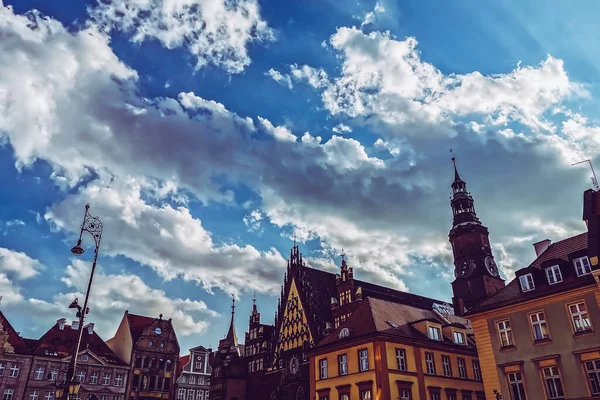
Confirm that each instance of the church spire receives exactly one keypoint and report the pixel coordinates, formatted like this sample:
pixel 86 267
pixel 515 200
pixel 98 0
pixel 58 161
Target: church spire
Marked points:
pixel 462 203
pixel 231 336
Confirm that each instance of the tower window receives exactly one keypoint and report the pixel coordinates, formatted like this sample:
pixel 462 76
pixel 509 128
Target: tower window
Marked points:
pixel 526 282
pixel 553 274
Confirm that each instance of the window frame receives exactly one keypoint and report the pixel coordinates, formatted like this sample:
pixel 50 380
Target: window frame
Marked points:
pixel 323 369
pixel 16 368
pixel 528 288
pixel 459 361
pixel 93 380
pixel 427 363
pixel 477 370
pixel 579 313
pixel 595 373
pixel 541 323
pixel 552 270
pixel 433 328
pixel 342 357
pixel 552 378
pixel 401 359
pixel 456 334
pixel 448 370
pixel 512 342
pixel 589 266
pixel 360 359
pixel 520 381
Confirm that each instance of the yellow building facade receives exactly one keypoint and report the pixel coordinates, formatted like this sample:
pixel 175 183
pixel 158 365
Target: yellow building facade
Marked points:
pixel 384 351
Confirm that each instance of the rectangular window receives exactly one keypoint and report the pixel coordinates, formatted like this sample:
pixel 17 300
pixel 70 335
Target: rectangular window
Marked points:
pixel 118 380
pixel 190 394
pixel 526 282
pixel 106 379
pixel 8 394
pixel 592 369
pixel 365 394
pixel 505 333
pixel 579 317
pixel 430 362
pixel 447 366
pixel 344 297
pixel 39 374
pixel 81 376
pixel 199 394
pixel 401 359
pixel 582 266
pixel 323 368
pixel 515 385
pixel 34 395
pixel 199 365
pixel 103 397
pixel 435 396
pixel 554 388
pixel 459 337
pixel 181 394
pixel 343 364
pixel 404 394
pixel 363 360
pixel 49 396
pixel 14 371
pixel 539 327
pixel 434 333
pixel 451 396
pixel 462 370
pixel 54 375
pixel 476 370
pixel 192 379
pixel 2 368
pixel 94 378
pixel 553 274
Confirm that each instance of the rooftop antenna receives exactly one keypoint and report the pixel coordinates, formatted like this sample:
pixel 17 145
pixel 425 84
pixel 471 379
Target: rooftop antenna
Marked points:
pixel 594 179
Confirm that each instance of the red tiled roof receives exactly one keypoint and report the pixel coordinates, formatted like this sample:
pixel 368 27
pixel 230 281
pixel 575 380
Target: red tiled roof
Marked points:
pixel 183 361
pixel 14 339
pixel 59 342
pixel 373 316
pixel 562 249
pixel 137 324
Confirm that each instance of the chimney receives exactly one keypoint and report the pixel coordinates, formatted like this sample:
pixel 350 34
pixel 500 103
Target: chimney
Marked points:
pixel 541 246
pixel 89 327
pixel 75 325
pixel 61 323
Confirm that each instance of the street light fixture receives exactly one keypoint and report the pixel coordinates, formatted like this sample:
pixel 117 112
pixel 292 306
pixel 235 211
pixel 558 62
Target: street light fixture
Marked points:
pixel 93 226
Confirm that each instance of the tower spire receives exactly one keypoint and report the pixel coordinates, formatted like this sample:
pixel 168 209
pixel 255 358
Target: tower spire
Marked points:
pixel 456 175
pixel 231 335
pixel 463 205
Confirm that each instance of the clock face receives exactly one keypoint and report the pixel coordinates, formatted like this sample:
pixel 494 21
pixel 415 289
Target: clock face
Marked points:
pixel 294 365
pixel 490 265
pixel 158 331
pixel 465 268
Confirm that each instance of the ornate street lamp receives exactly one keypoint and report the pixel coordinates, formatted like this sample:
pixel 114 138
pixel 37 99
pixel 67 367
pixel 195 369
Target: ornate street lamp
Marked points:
pixel 93 226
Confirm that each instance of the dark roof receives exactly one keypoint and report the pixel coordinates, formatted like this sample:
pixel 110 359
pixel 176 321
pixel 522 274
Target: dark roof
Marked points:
pixel 396 296
pixel 137 324
pixel 16 341
pixel 562 249
pixel 559 251
pixel 59 343
pixel 374 316
pixel 321 289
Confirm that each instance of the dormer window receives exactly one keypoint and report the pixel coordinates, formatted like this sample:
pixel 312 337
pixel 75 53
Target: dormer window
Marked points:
pixel 459 337
pixel 434 333
pixel 582 266
pixel 526 282
pixel 553 274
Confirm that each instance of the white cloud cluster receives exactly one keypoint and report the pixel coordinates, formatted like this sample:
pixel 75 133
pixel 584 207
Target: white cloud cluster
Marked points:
pixel 216 32
pixel 282 79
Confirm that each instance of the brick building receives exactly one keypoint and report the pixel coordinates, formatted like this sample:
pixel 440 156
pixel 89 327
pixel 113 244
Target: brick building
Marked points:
pixel 150 347
pixel 15 362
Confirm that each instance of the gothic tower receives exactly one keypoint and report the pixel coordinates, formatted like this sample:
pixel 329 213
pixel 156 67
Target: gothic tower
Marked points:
pixel 475 270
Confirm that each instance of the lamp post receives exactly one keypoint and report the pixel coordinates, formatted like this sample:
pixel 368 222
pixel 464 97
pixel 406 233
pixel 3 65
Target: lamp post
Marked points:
pixel 93 226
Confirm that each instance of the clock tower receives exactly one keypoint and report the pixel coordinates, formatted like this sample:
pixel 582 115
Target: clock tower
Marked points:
pixel 475 271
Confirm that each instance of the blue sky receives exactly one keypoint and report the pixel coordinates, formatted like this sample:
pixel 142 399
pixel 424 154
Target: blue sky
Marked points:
pixel 205 138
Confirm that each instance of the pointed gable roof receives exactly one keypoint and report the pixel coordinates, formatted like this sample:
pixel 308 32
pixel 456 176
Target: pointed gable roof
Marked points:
pixel 137 324
pixel 14 339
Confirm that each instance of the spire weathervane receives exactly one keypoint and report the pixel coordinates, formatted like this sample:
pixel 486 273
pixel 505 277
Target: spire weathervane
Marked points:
pixel 232 304
pixel 343 255
pixel 254 299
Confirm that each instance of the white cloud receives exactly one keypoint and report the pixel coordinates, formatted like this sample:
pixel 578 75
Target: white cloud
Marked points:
pixel 18 264
pixel 282 79
pixel 341 129
pixel 169 240
pixel 371 16
pixel 253 221
pixel 216 32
